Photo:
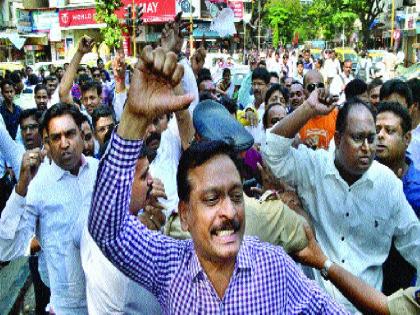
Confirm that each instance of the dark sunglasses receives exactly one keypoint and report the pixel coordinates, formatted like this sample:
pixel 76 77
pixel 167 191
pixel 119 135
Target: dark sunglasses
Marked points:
pixel 313 86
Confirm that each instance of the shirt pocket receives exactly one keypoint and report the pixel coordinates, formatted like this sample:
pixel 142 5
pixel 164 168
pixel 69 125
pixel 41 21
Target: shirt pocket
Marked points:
pixel 377 238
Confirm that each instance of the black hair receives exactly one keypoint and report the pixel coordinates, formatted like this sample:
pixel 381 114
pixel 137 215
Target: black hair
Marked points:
pixel 37 114
pixel 198 154
pixel 86 119
pixel 16 77
pixel 203 78
pixel 91 85
pixel 61 109
pixel 265 116
pixel 354 88
pixel 39 87
pixel 374 83
pixel 5 82
pixel 205 95
pixel 299 62
pixel 396 86
pixel 93 69
pixel 398 110
pixel 50 78
pixel 229 104
pixel 274 74
pixel 33 79
pixel 99 59
pixel 414 85
pixel 277 87
pixel 262 62
pixel 101 111
pixel 262 74
pixel 341 123
pixel 226 70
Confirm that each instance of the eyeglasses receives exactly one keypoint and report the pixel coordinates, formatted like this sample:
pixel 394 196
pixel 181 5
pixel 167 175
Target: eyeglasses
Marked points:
pixel 30 127
pixel 313 86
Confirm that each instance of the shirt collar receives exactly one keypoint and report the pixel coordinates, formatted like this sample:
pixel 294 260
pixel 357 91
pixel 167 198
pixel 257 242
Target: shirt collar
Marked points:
pixel 58 173
pixel 243 261
pixel 332 170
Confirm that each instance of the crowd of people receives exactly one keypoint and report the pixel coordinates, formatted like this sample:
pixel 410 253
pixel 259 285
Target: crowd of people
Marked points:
pixel 165 192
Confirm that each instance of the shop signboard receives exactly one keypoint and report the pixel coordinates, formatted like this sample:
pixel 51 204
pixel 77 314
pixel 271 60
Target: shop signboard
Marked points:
pixel 44 20
pixel 24 24
pixel 154 11
pixel 238 9
pixel 77 17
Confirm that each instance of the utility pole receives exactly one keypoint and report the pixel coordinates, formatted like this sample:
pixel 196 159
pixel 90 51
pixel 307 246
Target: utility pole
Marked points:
pixel 392 23
pixel 259 25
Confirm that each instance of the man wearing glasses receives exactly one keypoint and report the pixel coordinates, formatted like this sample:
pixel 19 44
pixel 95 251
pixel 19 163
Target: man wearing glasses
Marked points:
pixel 357 205
pixel 319 130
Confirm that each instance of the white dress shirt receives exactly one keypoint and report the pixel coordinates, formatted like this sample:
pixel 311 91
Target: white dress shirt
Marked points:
pixel 55 201
pixel 165 165
pixel 338 84
pixel 258 131
pixel 108 290
pixel 354 224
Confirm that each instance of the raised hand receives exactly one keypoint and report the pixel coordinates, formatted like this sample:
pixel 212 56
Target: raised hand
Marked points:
pixel 85 44
pixel 118 65
pixel 172 36
pixel 321 103
pixel 152 92
pixel 31 161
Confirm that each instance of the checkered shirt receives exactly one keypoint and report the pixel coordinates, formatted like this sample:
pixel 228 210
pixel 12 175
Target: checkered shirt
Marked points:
pixel 265 280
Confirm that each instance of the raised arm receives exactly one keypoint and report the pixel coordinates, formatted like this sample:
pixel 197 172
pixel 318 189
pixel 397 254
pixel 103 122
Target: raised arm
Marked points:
pixel 17 222
pixel 318 103
pixel 85 46
pixel 139 253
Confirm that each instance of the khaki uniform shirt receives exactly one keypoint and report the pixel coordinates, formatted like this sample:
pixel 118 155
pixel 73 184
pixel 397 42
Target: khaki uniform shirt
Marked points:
pixel 405 302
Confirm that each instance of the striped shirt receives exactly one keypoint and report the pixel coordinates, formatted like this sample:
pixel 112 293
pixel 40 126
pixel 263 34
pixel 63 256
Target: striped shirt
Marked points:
pixel 265 280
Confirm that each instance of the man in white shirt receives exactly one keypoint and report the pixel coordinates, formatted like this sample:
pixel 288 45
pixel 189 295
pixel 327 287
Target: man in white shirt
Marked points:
pixel 357 206
pixel 340 81
pixel 108 290
pixel 332 65
pixel 254 112
pixel 52 204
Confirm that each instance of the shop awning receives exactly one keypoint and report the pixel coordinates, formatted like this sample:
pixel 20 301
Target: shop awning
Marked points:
pixel 14 38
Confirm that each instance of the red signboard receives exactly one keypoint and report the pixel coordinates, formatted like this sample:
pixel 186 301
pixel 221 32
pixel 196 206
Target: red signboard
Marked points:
pixel 154 11
pixel 77 17
pixel 238 8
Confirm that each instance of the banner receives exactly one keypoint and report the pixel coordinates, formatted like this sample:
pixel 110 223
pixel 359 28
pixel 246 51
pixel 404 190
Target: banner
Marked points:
pixel 44 20
pixel 77 17
pixel 154 11
pixel 238 9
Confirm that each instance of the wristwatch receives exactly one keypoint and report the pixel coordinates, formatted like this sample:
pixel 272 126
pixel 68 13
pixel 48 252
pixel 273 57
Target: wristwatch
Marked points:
pixel 324 270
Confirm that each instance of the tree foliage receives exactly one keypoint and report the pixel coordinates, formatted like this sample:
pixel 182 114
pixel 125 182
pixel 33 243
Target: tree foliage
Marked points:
pixel 322 18
pixel 284 17
pixel 105 13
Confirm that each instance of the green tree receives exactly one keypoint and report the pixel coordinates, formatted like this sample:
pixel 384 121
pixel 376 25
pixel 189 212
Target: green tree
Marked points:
pixel 284 17
pixel 105 13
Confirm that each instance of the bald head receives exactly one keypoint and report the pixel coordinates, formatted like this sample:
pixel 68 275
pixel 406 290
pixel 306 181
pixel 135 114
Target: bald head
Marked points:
pixel 312 76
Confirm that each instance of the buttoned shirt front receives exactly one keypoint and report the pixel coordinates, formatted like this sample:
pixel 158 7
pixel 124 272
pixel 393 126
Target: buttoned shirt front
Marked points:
pixel 56 200
pixel 354 224
pixel 264 281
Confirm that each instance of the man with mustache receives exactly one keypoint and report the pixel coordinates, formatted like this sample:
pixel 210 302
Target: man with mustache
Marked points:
pixel 393 128
pixel 352 200
pixel 53 201
pixel 219 271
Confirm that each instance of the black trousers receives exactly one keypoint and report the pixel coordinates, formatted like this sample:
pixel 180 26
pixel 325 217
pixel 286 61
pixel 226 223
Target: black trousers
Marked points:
pixel 42 292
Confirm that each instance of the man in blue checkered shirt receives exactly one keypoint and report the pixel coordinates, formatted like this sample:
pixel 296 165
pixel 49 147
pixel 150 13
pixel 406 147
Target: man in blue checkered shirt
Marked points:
pixel 217 272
